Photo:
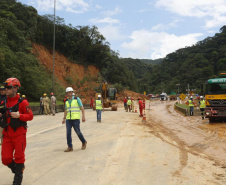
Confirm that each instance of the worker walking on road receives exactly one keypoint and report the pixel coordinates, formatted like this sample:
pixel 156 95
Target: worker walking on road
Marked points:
pixel 191 106
pixel 73 105
pixel 15 128
pixel 140 106
pixel 202 105
pixel 2 100
pixel 46 104
pixel 53 104
pixel 99 107
pixel 129 103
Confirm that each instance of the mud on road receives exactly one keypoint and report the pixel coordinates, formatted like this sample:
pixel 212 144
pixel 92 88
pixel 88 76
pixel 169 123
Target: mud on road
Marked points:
pixel 167 149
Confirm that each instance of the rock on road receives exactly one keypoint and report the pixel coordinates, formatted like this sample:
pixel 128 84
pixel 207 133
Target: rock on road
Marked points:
pixel 167 149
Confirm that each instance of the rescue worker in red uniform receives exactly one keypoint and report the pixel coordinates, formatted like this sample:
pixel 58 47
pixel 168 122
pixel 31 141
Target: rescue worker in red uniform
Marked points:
pixel 17 113
pixel 91 103
pixel 140 106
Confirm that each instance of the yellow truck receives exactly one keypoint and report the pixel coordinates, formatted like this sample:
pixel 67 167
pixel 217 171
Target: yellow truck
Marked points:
pixel 216 98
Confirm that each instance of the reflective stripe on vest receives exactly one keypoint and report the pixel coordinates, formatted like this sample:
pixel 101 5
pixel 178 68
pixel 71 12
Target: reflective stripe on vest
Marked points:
pixel 129 102
pixel 73 109
pixel 190 103
pixel 202 103
pixel 98 105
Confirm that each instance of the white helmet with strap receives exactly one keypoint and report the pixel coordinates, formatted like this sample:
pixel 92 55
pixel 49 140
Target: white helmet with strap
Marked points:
pixel 69 89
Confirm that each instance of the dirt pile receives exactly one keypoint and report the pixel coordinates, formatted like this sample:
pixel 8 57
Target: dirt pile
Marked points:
pixel 82 79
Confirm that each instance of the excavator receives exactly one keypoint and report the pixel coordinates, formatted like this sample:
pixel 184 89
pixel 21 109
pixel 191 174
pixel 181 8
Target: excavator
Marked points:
pixel 108 96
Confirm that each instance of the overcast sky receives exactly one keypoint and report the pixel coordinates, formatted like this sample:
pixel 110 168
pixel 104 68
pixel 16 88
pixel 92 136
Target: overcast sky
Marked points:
pixel 144 29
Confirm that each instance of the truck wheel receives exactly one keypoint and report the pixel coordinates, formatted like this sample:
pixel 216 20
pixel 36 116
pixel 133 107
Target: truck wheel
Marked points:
pixel 211 120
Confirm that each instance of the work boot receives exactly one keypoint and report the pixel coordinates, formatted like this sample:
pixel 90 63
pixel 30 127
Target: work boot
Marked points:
pixel 84 145
pixel 12 166
pixel 68 149
pixel 19 168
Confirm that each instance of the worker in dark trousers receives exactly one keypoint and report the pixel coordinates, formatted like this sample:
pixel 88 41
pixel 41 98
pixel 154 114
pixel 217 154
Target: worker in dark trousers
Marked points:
pixel 15 117
pixel 202 105
pixel 191 106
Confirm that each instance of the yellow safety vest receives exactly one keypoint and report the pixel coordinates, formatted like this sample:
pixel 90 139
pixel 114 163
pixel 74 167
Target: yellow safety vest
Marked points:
pixel 190 103
pixel 129 102
pixel 73 109
pixel 98 105
pixel 202 103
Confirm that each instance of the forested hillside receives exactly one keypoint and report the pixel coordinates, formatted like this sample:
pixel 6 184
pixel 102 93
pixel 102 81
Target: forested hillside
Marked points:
pixel 20 26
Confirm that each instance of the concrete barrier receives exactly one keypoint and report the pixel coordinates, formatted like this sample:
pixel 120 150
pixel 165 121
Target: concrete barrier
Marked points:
pixel 186 111
pixel 181 109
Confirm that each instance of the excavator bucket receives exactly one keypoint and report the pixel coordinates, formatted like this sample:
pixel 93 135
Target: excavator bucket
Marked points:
pixel 114 107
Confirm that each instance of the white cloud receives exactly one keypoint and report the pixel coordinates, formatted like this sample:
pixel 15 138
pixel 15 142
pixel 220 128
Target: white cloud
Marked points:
pixel 113 12
pixel 111 33
pixel 105 20
pixel 146 44
pixel 74 6
pixel 214 10
pixel 98 7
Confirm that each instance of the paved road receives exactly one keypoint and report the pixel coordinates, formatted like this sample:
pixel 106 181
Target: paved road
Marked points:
pixel 121 150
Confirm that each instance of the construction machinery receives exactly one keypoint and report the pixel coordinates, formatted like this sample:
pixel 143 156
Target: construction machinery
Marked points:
pixel 108 96
pixel 216 98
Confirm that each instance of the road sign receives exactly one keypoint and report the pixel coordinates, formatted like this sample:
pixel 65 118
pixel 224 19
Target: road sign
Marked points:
pixel 182 96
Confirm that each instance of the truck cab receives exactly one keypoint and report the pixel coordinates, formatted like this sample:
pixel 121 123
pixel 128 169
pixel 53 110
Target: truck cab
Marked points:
pixel 216 98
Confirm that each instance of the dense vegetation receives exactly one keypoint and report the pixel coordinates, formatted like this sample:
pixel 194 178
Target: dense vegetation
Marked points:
pixel 20 25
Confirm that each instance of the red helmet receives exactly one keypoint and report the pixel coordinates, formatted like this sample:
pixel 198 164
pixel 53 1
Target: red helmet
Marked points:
pixel 12 82
pixel 51 94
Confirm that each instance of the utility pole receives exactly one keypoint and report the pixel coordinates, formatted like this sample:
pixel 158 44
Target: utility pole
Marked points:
pixel 54 20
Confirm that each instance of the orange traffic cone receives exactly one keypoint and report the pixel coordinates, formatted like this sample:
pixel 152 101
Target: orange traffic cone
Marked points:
pixel 135 110
pixel 144 117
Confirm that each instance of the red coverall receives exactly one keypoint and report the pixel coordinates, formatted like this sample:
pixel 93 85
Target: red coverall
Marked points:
pixel 14 142
pixel 141 107
pixel 91 103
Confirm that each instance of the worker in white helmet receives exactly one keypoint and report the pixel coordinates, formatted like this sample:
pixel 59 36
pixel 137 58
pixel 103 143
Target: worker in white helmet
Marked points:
pixel 191 106
pixel 73 105
pixel 202 105
pixel 99 108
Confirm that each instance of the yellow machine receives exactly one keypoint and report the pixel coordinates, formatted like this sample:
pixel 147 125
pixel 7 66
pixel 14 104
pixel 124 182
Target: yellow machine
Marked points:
pixel 216 98
pixel 108 96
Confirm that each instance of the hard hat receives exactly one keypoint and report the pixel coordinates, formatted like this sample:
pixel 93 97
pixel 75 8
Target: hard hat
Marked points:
pixel 2 87
pixel 201 96
pixel 191 97
pixel 23 96
pixel 44 94
pixel 51 94
pixel 99 96
pixel 12 82
pixel 69 89
pixel 129 97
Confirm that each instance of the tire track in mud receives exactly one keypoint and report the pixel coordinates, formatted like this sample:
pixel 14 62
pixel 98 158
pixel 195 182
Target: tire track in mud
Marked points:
pixel 169 136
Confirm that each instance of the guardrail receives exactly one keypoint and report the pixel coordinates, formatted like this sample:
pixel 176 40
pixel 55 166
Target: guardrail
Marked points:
pixel 59 108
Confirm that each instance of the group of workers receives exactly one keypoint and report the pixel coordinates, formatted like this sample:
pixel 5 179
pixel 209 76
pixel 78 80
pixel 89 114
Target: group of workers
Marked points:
pixel 46 103
pixel 15 112
pixel 202 105
pixel 129 105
